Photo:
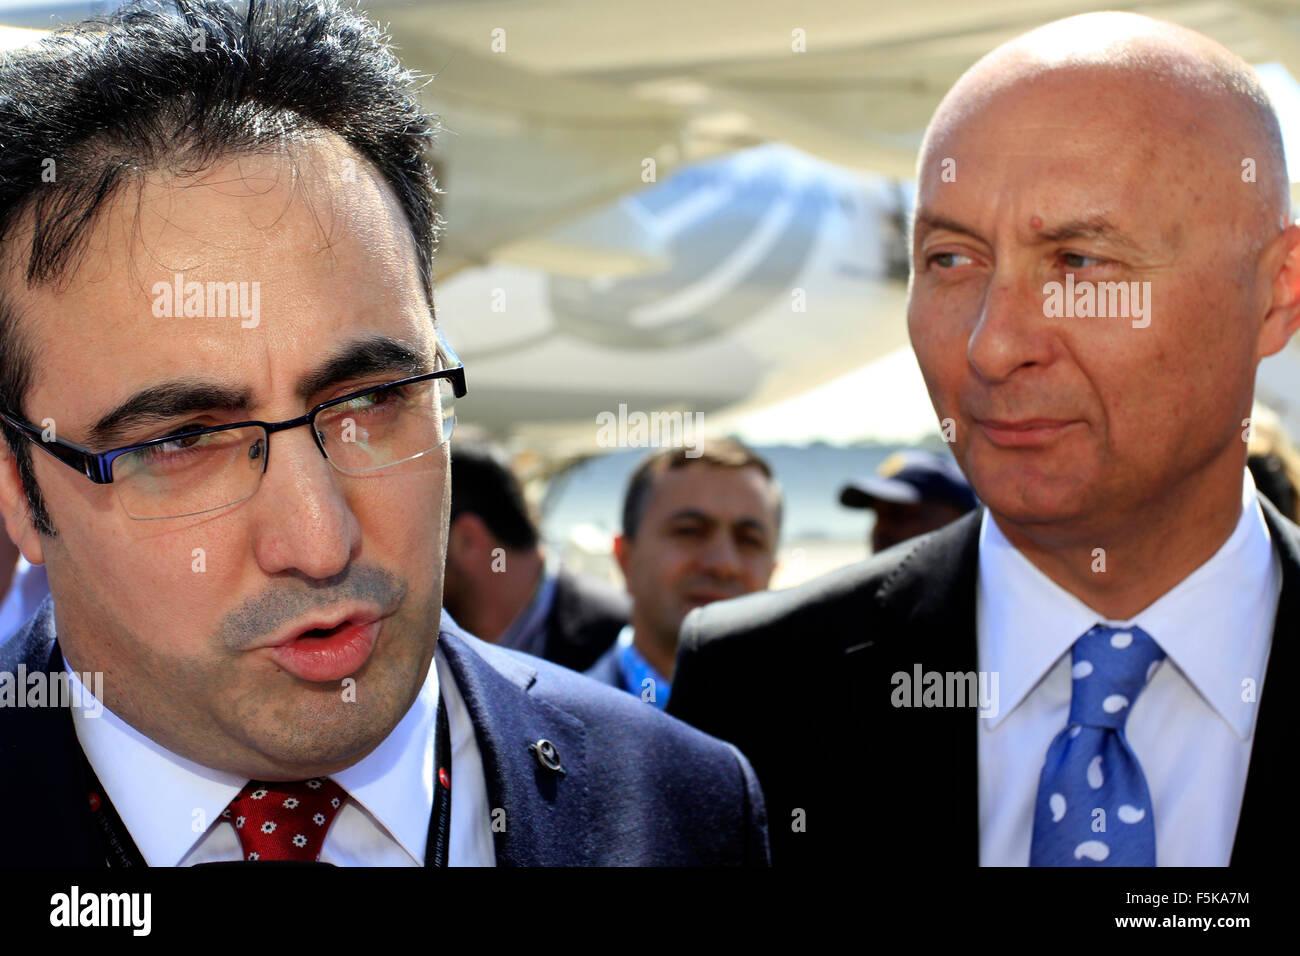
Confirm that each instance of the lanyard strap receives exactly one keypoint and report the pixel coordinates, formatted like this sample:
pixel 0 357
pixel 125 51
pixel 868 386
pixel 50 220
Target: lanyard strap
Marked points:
pixel 120 851
pixel 440 835
pixel 115 840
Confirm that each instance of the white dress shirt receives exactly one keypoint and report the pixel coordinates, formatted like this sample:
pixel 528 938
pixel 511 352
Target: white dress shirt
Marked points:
pixel 1190 728
pixel 172 806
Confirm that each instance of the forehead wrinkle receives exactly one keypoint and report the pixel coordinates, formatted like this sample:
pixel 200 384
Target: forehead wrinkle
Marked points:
pixel 1147 191
pixel 306 161
pixel 1168 75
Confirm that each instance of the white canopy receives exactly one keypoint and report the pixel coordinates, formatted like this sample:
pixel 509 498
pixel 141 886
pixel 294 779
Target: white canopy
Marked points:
pixel 570 283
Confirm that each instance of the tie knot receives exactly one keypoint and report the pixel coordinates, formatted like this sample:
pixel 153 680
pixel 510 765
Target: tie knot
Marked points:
pixel 1111 666
pixel 286 820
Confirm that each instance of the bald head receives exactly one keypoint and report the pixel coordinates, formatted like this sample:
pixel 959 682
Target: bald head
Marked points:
pixel 1178 87
pixel 1139 164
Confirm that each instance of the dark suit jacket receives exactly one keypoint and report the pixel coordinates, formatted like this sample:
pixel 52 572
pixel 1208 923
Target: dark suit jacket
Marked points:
pixel 639 788
pixel 585 618
pixel 800 680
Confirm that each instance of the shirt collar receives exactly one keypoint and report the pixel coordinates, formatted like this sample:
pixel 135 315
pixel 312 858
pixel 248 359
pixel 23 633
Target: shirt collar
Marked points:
pixel 394 782
pixel 1215 625
pixel 1024 620
pixel 160 795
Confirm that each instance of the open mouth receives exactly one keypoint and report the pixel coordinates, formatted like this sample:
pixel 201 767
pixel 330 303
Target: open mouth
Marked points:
pixel 322 632
pixel 328 654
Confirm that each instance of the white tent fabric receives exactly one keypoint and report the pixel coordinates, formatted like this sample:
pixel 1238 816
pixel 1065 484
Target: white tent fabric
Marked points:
pixel 551 112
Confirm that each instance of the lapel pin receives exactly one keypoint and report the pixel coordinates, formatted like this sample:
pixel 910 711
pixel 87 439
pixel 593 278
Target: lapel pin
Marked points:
pixel 547 755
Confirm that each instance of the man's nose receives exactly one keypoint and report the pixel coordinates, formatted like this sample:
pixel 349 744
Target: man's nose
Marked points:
pixel 303 520
pixel 1012 331
pixel 721 557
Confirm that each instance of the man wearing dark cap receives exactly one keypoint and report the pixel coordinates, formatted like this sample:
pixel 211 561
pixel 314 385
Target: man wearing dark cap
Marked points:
pixel 911 493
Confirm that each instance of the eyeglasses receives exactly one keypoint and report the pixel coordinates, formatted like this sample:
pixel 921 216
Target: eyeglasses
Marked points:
pixel 205 469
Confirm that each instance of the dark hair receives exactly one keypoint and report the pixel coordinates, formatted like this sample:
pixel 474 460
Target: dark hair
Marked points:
pixel 726 452
pixel 483 484
pixel 179 86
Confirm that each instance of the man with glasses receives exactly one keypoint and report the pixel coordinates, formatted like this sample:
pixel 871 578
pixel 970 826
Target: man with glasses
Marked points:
pixel 244 523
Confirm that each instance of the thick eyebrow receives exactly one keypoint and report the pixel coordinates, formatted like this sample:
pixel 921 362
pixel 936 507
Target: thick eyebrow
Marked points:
pixel 162 403
pixel 689 514
pixel 166 401
pixel 694 514
pixel 933 221
pixel 1092 227
pixel 366 357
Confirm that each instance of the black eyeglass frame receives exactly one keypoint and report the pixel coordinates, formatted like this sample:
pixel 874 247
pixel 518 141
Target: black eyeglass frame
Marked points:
pixel 98 465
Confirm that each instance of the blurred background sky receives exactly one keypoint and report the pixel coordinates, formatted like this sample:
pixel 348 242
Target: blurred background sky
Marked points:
pixel 700 206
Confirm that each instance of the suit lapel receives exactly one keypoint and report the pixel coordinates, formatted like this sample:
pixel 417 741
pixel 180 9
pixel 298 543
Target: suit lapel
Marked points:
pixel 1265 803
pixel 39 747
pixel 928 602
pixel 931 596
pixel 546 816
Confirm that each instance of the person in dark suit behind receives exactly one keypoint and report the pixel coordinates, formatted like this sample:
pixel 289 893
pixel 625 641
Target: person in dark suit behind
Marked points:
pixel 242 503
pixel 1273 461
pixel 1273 481
pixel 1082 672
pixel 499 583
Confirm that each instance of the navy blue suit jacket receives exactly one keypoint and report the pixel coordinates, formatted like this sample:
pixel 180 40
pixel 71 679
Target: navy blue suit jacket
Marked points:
pixel 640 788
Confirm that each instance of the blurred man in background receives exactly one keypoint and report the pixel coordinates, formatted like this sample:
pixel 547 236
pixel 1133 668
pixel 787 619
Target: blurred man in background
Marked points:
pixel 695 530
pixel 911 493
pixel 501 585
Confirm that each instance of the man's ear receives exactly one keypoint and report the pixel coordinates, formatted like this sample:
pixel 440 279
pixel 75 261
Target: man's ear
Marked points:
pixel 623 553
pixel 13 506
pixel 469 539
pixel 1280 267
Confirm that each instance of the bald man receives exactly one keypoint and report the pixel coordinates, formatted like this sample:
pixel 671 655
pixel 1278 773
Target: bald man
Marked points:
pixel 1076 673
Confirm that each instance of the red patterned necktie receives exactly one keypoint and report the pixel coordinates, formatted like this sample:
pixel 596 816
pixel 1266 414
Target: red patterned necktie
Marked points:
pixel 285 821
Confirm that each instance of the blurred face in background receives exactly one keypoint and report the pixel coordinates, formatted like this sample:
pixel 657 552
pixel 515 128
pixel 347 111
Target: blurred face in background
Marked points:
pixel 709 532
pixel 898 521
